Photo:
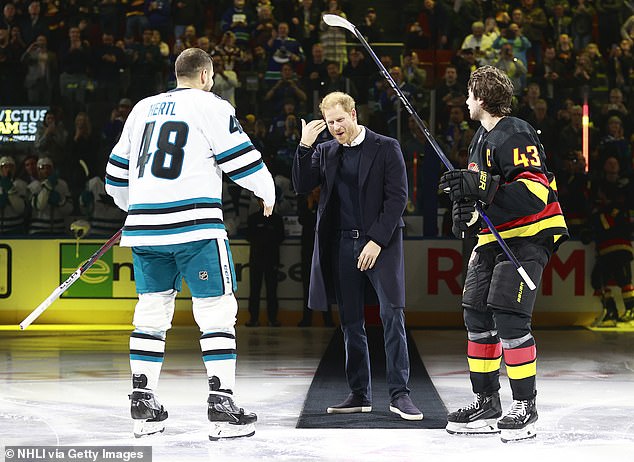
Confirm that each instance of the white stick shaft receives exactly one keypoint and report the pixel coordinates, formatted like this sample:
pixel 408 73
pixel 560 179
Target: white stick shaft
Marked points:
pixel 529 282
pixel 51 298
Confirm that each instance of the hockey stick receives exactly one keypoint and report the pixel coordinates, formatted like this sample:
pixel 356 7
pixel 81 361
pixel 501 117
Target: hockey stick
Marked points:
pixel 337 21
pixel 63 287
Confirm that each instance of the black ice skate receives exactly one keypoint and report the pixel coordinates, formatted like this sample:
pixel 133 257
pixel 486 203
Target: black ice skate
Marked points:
pixel 519 423
pixel 478 417
pixel 227 419
pixel 609 316
pixel 149 416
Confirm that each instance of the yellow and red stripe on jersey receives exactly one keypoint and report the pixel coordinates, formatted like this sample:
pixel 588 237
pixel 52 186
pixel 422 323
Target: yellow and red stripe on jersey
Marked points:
pixel 614 245
pixel 627 291
pixel 536 183
pixel 550 220
pixel 521 362
pixel 484 357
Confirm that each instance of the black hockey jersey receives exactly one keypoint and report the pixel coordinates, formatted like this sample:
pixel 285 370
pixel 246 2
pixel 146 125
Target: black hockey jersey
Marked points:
pixel 525 205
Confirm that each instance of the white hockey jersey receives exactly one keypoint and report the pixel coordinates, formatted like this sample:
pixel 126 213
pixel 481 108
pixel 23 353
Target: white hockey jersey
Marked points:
pixel 166 169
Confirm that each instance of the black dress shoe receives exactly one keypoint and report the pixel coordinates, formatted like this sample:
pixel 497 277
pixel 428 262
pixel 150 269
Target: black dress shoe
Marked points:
pixel 352 404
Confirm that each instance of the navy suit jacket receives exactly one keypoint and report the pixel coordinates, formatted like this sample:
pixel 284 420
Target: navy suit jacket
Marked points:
pixel 382 196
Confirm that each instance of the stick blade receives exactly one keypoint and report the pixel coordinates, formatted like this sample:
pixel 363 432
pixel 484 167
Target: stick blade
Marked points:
pixel 334 20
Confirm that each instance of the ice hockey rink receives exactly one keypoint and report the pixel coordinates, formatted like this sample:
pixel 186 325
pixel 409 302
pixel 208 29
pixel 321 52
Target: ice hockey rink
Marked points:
pixel 70 388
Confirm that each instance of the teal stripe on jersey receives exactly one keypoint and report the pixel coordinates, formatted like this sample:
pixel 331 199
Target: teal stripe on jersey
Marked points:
pixel 164 232
pixel 224 154
pixel 247 173
pixel 165 205
pixel 116 183
pixel 120 159
pixel 152 359
pixel 219 357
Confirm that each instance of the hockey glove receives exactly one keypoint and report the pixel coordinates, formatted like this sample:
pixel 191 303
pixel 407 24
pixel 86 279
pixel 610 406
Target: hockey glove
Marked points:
pixel 466 184
pixel 54 198
pixel 5 183
pixel 465 219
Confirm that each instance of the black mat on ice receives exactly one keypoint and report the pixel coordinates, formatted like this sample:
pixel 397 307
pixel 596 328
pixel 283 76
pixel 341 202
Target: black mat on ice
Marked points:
pixel 329 387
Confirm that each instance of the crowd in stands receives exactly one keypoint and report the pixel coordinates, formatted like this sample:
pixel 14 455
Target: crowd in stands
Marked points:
pixel 89 61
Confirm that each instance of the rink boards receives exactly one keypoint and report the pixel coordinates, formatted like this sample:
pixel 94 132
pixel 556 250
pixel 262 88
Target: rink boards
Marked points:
pixel 31 268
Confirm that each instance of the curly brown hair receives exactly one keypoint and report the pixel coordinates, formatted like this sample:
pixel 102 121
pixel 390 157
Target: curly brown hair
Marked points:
pixel 494 88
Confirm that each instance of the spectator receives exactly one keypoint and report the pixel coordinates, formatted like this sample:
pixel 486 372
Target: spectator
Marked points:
pixel 28 170
pixel 583 78
pixel 240 20
pixel 570 138
pixel 527 104
pixel 282 49
pixel 135 19
pixel 104 216
pixel 50 138
pixel 112 130
pixel 159 15
pixel 84 157
pixel 425 200
pixel 13 199
pixel 51 201
pixel 434 25
pixel 413 73
pixel 265 26
pixel 549 76
pixel 9 62
pixel 583 15
pixel 481 43
pixel 513 67
pixel 336 82
pixel 108 62
pixel 146 68
pixel 74 61
pixel 573 190
pixel 534 27
pixel 519 43
pixel 315 75
pixel 234 57
pixel 559 22
pixel 286 88
pixel 370 28
pixel 41 72
pixel 358 70
pixel 333 38
pixel 609 22
pixel 184 13
pixel 545 126
pixel 35 24
pixel 449 93
pixel 225 81
pixel 265 235
pixel 9 17
pixel 391 105
pixel 614 144
pixel 305 23
pixel 618 68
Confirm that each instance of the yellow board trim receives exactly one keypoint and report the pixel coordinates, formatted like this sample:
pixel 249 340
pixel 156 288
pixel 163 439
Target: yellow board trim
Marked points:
pixel 484 365
pixel 525 231
pixel 537 189
pixel 522 372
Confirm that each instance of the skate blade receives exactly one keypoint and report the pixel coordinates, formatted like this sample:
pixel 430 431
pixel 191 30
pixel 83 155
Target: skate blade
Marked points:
pixel 525 433
pixel 223 430
pixel 146 428
pixel 479 427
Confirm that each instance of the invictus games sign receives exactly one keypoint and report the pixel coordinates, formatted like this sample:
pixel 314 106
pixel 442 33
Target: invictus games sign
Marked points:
pixel 19 124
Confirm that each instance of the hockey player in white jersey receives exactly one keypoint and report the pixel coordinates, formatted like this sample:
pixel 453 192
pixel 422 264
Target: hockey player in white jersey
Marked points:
pixel 166 172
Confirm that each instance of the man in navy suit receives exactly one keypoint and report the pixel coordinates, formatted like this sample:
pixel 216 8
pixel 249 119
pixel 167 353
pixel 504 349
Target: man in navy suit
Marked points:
pixel 358 240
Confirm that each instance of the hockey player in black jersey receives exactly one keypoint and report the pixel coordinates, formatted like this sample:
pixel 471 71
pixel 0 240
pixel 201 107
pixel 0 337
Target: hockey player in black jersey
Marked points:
pixel 506 173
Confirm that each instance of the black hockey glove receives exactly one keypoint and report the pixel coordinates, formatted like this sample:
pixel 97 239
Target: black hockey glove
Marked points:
pixel 465 219
pixel 466 184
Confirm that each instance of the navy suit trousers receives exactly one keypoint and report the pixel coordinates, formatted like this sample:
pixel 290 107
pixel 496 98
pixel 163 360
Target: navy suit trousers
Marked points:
pixel 350 285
